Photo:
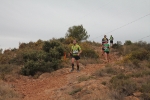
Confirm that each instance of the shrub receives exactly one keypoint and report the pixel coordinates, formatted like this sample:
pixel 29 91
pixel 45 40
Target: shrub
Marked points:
pixel 140 73
pixel 136 56
pixel 123 85
pixel 7 93
pixel 108 65
pixel 69 40
pixel 145 96
pixel 99 73
pixel 118 48
pixel 83 78
pixel 145 88
pixel 75 91
pixel 140 54
pixel 88 51
pixel 104 83
pixel 135 62
pixel 47 60
pixel 148 65
pixel 116 96
pixel 110 70
pixel 128 42
pixel 8 70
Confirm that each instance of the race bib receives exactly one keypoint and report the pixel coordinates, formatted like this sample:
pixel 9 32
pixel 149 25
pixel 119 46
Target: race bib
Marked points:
pixel 105 48
pixel 75 51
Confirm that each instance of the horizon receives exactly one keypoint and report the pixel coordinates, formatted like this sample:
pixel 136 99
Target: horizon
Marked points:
pixel 25 21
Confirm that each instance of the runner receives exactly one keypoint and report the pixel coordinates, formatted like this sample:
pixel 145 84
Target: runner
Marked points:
pixel 111 41
pixel 75 52
pixel 106 50
pixel 103 41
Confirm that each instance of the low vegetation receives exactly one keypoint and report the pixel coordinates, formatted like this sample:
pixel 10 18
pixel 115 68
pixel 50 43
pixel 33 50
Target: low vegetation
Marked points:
pixel 7 92
pixel 74 91
pixel 128 75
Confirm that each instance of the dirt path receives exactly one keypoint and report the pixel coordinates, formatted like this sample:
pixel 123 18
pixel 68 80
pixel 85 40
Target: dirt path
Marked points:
pixel 41 88
pixel 49 85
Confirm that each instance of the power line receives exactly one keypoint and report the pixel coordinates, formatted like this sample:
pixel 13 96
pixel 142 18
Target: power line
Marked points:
pixel 124 25
pixel 144 37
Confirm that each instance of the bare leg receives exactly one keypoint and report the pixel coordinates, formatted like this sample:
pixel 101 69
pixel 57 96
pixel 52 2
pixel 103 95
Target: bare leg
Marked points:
pixel 77 61
pixel 72 61
pixel 108 57
pixel 103 52
pixel 110 44
pixel 105 56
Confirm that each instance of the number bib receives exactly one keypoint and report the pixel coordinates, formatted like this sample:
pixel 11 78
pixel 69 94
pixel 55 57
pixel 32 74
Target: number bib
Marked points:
pixel 105 48
pixel 75 51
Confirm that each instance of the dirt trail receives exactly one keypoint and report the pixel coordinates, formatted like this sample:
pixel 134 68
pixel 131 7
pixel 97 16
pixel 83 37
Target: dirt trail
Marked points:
pixel 49 85
pixel 41 88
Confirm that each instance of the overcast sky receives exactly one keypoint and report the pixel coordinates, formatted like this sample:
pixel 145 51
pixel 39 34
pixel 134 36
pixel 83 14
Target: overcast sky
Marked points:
pixel 30 20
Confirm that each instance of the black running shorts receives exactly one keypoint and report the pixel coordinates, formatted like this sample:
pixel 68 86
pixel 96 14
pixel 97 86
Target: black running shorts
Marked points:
pixel 76 57
pixel 107 52
pixel 111 41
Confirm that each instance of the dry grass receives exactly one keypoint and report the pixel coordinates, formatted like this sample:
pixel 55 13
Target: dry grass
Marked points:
pixel 74 91
pixel 9 72
pixel 7 93
pixel 83 78
pixel 86 61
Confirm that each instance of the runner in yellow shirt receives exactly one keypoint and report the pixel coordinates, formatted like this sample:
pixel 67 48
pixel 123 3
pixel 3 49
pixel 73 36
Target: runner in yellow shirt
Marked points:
pixel 75 52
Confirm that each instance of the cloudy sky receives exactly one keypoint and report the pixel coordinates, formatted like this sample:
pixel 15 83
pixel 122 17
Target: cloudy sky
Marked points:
pixel 30 20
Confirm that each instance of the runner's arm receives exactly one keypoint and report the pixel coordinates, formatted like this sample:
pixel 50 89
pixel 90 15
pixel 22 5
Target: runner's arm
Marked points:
pixel 80 51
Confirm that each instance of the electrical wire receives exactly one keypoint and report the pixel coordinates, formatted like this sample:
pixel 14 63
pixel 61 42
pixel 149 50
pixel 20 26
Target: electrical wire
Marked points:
pixel 123 25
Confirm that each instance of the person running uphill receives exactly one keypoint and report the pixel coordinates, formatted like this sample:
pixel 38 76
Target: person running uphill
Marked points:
pixel 103 42
pixel 75 52
pixel 106 51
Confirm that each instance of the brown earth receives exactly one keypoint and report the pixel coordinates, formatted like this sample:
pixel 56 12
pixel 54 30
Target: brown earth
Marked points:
pixel 65 85
pixel 58 85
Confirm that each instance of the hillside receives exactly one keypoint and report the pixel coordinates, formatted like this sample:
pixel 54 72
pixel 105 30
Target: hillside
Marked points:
pixel 125 77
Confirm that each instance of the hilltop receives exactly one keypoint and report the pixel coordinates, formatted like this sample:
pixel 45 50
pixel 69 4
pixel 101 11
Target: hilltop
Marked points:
pixel 125 77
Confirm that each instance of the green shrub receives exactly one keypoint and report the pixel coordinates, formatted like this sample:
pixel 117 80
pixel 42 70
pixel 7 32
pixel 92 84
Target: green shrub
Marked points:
pixel 116 46
pixel 141 54
pixel 128 42
pixel 47 60
pixel 136 56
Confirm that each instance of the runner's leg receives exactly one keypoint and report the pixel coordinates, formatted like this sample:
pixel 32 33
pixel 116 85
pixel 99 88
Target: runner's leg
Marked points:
pixel 108 57
pixel 72 60
pixel 77 61
pixel 105 56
